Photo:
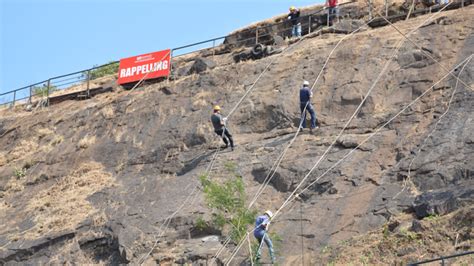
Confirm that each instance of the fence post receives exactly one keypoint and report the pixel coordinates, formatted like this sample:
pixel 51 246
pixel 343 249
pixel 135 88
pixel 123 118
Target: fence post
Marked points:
pixel 370 9
pixel 256 35
pixel 14 97
pixel 171 66
pixel 213 48
pixel 309 24
pixel 31 94
pixel 47 92
pixel 386 8
pixel 462 3
pixel 88 83
pixel 328 16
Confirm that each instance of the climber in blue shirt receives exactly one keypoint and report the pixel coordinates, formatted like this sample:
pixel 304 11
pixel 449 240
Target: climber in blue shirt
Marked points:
pixel 305 106
pixel 261 227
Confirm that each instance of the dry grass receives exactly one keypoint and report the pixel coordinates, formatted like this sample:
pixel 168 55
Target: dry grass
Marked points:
pixel 15 185
pixel 64 205
pixel 3 159
pixel 31 145
pixel 43 132
pixel 383 247
pixel 108 112
pixel 86 142
pixel 25 148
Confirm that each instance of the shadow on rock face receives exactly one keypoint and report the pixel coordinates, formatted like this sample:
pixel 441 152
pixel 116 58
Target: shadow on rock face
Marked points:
pixel 278 181
pixel 103 250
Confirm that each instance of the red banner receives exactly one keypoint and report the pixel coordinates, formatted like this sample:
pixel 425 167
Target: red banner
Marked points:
pixel 152 65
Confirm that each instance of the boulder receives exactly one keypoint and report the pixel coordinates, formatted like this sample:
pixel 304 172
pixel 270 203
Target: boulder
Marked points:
pixel 200 65
pixel 443 201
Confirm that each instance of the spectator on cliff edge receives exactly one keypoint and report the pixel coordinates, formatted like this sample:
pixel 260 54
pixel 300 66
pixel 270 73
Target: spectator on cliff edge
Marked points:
pixel 219 127
pixel 333 11
pixel 261 228
pixel 294 18
pixel 305 106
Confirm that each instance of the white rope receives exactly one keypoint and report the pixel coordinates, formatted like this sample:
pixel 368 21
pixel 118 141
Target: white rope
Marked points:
pixel 281 156
pixel 231 112
pixel 250 249
pixel 215 155
pixel 275 166
pixel 354 149
pixel 434 129
pixel 165 225
pixel 146 75
pixel 248 92
pixel 422 50
pixel 384 125
pixel 399 45
pixel 312 169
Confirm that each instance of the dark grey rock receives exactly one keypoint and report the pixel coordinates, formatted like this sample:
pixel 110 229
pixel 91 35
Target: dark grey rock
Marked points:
pixel 416 226
pixel 443 201
pixel 200 65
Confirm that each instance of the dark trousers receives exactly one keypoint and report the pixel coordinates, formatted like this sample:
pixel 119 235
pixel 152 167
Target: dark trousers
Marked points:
pixel 333 13
pixel 310 109
pixel 226 136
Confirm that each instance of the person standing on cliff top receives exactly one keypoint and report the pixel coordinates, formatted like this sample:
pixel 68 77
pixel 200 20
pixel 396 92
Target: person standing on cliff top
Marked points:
pixel 294 18
pixel 219 127
pixel 333 11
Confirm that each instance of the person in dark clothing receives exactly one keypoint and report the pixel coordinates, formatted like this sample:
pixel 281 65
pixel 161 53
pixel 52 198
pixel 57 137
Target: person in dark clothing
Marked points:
pixel 305 103
pixel 294 18
pixel 219 127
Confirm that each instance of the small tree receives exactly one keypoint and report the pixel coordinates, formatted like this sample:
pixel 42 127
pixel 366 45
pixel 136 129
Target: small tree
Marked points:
pixel 102 71
pixel 43 90
pixel 227 200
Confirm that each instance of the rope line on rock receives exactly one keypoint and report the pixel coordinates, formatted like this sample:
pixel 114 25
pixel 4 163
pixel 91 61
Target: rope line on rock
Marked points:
pixel 386 123
pixel 250 249
pixel 165 225
pixel 423 50
pixel 215 155
pixel 399 45
pixel 281 156
pixel 354 149
pixel 408 179
pixel 357 110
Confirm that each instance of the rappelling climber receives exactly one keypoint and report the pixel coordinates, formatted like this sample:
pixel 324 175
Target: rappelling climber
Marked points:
pixel 220 128
pixel 261 228
pixel 305 105
pixel 294 18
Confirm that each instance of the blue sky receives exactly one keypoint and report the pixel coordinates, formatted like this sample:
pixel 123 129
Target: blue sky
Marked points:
pixel 40 39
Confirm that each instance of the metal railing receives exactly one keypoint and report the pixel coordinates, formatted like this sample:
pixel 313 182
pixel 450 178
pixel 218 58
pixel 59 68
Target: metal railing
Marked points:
pixel 42 90
pixel 442 259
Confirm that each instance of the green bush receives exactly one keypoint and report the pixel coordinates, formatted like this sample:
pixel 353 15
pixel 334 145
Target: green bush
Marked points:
pixel 227 200
pixel 43 90
pixel 19 173
pixel 102 71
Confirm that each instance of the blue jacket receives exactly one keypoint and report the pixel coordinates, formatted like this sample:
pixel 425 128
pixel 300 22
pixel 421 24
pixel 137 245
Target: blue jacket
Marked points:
pixel 260 225
pixel 305 95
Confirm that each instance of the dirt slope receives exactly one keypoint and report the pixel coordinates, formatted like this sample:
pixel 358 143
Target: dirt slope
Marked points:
pixel 94 181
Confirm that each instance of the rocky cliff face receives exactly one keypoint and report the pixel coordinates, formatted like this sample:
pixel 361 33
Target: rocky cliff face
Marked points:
pixel 95 181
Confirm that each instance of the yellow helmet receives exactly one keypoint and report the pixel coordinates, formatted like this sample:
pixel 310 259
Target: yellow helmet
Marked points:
pixel 292 8
pixel 217 108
